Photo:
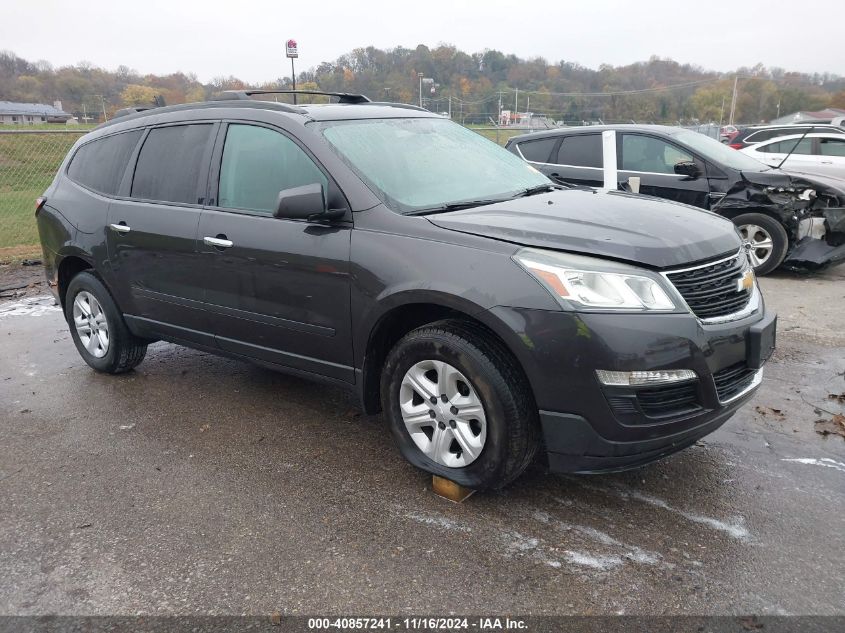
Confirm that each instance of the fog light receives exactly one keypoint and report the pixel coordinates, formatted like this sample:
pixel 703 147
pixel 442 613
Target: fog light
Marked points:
pixel 644 378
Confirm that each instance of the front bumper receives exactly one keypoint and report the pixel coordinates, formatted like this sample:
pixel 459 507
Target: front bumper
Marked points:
pixel 588 427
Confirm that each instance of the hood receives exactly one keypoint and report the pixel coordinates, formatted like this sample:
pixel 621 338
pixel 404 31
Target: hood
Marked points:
pixel 613 224
pixel 794 178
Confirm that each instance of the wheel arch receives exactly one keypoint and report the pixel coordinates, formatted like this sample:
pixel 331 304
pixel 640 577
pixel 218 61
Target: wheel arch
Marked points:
pixel 403 316
pixel 782 219
pixel 70 265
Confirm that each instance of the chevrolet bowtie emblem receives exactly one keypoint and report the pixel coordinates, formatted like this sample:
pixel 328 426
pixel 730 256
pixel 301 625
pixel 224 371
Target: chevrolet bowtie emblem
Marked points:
pixel 746 282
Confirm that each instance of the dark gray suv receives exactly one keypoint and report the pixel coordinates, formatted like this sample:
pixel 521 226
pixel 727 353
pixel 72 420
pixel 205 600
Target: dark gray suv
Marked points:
pixel 486 310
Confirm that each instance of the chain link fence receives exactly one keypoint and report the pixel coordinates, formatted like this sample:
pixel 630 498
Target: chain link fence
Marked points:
pixel 30 158
pixel 28 161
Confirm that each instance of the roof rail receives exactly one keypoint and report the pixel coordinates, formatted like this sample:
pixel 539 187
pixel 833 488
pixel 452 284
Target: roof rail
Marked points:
pixel 343 97
pixel 158 102
pixel 132 110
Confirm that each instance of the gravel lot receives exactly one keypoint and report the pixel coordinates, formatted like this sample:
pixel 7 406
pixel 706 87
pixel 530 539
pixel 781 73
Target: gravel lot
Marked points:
pixel 198 484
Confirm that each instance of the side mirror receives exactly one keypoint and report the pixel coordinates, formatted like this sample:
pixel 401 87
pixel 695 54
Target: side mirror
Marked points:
pixel 307 202
pixel 687 168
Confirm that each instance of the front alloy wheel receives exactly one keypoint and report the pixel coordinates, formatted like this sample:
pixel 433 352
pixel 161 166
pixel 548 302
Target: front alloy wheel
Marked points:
pixel 459 405
pixel 759 241
pixel 765 240
pixel 443 414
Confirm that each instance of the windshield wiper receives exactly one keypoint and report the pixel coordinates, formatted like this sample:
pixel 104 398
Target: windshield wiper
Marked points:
pixel 454 206
pixel 544 188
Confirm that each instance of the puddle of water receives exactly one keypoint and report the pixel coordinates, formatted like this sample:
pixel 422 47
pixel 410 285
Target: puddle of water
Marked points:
pixel 824 461
pixel 30 306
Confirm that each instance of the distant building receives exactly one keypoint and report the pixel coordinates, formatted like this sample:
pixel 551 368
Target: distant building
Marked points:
pixel 822 116
pixel 32 113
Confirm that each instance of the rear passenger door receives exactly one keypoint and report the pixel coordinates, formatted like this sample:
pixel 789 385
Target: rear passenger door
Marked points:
pixel 575 159
pixel 278 289
pixel 832 156
pixel 152 232
pixel 653 159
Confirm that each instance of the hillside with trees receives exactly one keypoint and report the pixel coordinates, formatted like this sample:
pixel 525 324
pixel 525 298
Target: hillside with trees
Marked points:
pixel 658 90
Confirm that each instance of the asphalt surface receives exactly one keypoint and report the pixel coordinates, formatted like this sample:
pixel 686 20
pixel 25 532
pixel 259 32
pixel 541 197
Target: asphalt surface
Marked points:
pixel 197 484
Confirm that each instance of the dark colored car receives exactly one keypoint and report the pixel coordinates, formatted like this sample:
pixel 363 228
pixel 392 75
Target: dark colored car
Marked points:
pixel 759 133
pixel 487 311
pixel 788 219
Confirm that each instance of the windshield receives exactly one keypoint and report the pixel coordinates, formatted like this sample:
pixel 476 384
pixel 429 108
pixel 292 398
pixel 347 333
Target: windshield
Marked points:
pixel 422 164
pixel 719 153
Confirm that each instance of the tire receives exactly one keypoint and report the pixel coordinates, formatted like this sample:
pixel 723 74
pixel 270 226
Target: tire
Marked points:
pixel 508 426
pixel 115 352
pixel 758 228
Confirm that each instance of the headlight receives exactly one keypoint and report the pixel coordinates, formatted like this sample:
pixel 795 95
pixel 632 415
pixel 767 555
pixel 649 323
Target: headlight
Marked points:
pixel 584 282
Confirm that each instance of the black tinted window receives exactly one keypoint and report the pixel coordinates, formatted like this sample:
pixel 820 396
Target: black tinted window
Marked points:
pixel 100 165
pixel 651 154
pixel 583 150
pixel 539 151
pixel 170 163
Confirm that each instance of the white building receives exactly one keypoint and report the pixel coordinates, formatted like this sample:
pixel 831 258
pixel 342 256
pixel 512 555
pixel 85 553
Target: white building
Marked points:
pixel 12 113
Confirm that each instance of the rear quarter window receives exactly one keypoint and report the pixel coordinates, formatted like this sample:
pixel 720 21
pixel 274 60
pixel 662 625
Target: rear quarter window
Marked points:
pixel 100 164
pixel 538 151
pixel 170 163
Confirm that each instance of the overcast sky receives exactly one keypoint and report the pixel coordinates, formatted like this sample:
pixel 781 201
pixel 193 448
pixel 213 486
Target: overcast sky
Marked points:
pixel 246 38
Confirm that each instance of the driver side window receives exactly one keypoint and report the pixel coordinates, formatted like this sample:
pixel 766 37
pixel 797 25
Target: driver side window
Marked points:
pixel 257 164
pixel 650 154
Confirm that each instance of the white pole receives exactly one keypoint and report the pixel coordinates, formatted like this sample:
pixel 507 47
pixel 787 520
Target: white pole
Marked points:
pixel 611 181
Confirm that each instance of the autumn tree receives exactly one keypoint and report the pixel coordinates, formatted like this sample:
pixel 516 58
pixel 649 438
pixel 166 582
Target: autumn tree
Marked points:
pixel 135 95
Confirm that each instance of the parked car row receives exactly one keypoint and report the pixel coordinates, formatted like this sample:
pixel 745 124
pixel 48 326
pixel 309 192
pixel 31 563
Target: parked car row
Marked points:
pixel 759 133
pixel 788 219
pixel 487 311
pixel 810 153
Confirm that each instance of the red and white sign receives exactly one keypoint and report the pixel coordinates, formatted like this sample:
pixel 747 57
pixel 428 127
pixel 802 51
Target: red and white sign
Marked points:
pixel 290 48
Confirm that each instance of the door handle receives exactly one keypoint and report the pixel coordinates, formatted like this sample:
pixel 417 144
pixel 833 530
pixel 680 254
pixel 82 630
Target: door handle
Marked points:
pixel 826 162
pixel 120 228
pixel 218 242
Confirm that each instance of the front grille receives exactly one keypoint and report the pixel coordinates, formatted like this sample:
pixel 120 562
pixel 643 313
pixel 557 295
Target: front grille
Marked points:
pixel 710 289
pixel 732 380
pixel 672 400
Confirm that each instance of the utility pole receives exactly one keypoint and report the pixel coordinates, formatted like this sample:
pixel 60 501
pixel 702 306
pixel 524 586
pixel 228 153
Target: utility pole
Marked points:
pixel 450 106
pixel 516 102
pixel 420 75
pixel 733 101
pixel 499 122
pixel 103 102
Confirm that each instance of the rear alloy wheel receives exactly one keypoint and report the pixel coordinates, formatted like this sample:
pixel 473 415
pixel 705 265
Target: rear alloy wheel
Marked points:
pixel 91 324
pixel 765 239
pixel 98 329
pixel 459 406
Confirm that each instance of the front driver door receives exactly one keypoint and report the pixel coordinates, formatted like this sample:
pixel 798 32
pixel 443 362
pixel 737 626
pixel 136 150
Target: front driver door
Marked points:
pixel 653 160
pixel 278 289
